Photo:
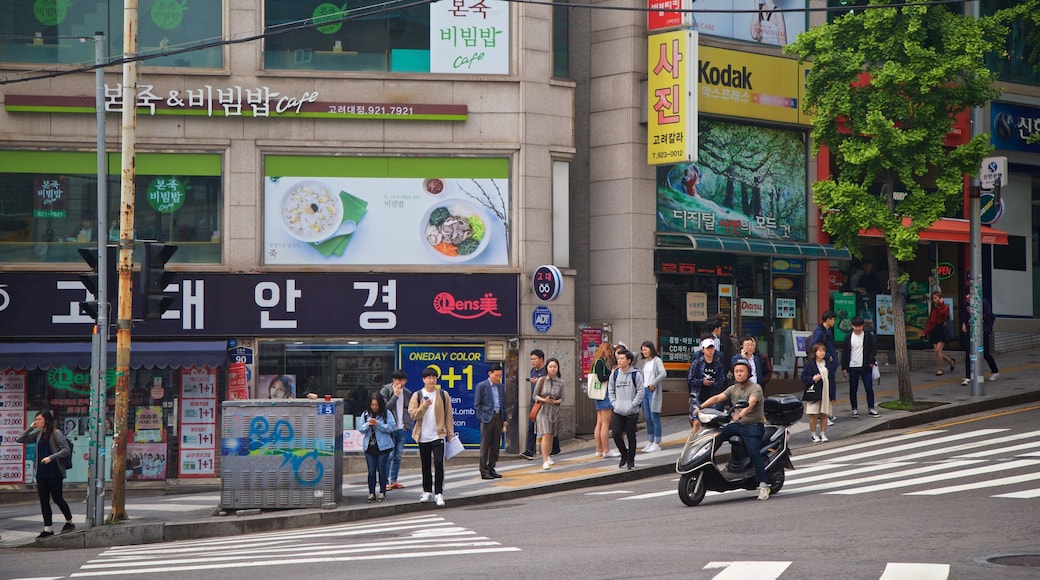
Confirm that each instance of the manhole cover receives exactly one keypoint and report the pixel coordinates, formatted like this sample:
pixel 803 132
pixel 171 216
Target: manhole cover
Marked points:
pixel 1023 560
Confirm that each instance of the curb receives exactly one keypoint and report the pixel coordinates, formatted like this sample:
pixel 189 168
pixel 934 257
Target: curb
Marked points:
pixel 952 410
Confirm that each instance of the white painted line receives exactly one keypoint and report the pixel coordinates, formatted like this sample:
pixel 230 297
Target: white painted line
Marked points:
pixel 1002 451
pixel 979 485
pixel 650 495
pixel 907 446
pixel 884 476
pixel 977 444
pixel 1027 494
pixel 865 445
pixel 619 491
pixel 901 571
pixel 844 473
pixel 745 570
pixel 939 477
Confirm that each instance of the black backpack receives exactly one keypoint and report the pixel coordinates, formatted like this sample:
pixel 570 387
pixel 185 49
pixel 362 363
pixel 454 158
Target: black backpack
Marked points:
pixel 66 461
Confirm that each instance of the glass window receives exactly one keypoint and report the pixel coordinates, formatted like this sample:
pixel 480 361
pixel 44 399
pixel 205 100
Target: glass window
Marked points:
pixel 1014 64
pixel 50 32
pixel 395 40
pixel 561 44
pixel 339 369
pixel 48 205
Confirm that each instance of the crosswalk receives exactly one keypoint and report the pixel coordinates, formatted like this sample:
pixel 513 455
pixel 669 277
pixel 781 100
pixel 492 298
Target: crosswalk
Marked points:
pixel 924 463
pixel 420 536
pixel 775 570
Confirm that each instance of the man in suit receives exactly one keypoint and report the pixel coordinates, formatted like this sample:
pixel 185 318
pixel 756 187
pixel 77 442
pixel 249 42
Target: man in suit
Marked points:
pixel 489 402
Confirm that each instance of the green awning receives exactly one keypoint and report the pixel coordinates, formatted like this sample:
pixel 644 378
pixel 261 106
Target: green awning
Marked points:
pixel 751 246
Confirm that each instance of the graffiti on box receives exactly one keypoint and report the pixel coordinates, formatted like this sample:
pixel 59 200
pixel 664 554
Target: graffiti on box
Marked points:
pixel 301 454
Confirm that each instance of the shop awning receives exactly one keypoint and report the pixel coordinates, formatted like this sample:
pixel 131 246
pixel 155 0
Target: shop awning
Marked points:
pixel 949 230
pixel 32 355
pixel 751 246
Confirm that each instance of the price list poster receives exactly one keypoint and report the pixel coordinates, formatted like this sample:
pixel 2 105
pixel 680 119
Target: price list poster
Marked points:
pixel 12 423
pixel 198 423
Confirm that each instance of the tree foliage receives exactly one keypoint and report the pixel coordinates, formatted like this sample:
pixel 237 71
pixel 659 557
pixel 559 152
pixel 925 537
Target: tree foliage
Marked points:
pixel 884 87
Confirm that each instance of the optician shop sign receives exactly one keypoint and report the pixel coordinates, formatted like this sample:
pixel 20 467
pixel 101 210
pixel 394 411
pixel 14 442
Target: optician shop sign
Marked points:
pixel 46 305
pixel 235 101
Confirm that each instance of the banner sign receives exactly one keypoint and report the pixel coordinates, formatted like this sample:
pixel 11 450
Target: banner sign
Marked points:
pixel 461 367
pixel 767 22
pixel 672 100
pixel 44 304
pixel 12 424
pixel 1011 125
pixel 751 86
pixel 198 422
pixel 469 37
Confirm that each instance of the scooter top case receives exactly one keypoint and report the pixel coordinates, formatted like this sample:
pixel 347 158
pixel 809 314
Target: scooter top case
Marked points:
pixel 783 410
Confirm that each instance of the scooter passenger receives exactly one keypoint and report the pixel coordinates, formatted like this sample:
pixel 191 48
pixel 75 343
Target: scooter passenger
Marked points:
pixel 749 422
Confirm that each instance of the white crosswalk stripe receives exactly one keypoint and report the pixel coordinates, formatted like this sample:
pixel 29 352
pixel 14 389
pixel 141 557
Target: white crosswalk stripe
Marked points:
pixel 924 463
pixel 776 570
pixel 424 535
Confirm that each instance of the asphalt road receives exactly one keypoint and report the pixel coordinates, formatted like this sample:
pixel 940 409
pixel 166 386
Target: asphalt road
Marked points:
pixel 930 503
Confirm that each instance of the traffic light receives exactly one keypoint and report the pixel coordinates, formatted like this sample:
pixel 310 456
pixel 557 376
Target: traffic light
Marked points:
pixel 90 279
pixel 155 278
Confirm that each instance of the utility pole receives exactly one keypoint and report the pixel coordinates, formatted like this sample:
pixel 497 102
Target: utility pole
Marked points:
pixel 126 259
pixel 99 340
pixel 974 348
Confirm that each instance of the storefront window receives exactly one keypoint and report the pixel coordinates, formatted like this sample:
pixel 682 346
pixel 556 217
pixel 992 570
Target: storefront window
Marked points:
pixel 340 369
pixel 51 32
pixel 48 205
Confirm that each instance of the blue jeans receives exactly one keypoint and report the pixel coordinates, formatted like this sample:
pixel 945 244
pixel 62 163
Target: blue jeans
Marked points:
pixel 377 464
pixel 752 434
pixel 399 435
pixel 653 420
pixel 855 374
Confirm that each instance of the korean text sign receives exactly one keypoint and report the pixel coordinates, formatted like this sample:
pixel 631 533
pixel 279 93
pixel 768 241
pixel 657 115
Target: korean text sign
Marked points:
pixel 469 37
pixel 672 100
pixel 461 366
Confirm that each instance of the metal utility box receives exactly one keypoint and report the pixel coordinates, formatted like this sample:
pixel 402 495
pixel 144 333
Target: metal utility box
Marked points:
pixel 284 453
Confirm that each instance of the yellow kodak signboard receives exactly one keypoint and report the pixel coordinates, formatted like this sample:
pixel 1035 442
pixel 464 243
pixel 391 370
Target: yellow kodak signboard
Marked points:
pixel 756 86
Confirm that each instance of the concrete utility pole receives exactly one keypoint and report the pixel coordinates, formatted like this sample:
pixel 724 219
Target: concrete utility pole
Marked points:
pixel 126 260
pixel 974 348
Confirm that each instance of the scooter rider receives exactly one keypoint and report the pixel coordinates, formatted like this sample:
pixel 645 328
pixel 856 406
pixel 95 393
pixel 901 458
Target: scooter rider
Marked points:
pixel 749 422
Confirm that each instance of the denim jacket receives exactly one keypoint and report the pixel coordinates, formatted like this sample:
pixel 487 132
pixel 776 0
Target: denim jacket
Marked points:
pixel 382 430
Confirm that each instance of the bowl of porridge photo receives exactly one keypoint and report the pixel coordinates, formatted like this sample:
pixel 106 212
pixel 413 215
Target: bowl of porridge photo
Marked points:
pixel 311 211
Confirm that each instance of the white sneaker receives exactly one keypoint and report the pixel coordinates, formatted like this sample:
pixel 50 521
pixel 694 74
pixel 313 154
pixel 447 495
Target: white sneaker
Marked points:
pixel 599 455
pixel 653 447
pixel 830 421
pixel 614 453
pixel 551 462
pixel 763 491
pixel 966 382
pixel 994 376
pixel 439 498
pixel 545 466
pixel 648 445
pixel 823 438
pixel 814 438
pixel 426 497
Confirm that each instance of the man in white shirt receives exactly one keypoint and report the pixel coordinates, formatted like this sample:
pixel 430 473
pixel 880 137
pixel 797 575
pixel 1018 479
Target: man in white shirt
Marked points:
pixel 858 354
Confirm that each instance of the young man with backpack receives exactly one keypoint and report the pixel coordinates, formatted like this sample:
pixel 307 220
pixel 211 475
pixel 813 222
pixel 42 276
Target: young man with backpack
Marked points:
pixel 625 391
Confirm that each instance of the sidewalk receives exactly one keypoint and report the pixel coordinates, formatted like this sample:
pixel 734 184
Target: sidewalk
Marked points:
pixel 160 518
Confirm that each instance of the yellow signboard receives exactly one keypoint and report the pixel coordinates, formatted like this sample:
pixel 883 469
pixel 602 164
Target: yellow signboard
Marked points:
pixel 748 85
pixel 672 100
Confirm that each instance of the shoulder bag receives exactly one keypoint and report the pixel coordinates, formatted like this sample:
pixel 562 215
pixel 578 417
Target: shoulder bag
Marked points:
pixel 595 388
pixel 537 406
pixel 813 392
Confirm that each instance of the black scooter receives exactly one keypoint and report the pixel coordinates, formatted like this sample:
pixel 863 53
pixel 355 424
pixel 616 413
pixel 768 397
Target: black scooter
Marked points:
pixel 700 473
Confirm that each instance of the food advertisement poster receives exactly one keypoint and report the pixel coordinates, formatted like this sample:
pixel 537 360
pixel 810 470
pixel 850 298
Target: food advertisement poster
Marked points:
pixel 461 367
pixel 198 409
pixel 148 424
pixel 885 323
pixel 748 182
pixel 844 309
pixel 365 211
pixel 915 312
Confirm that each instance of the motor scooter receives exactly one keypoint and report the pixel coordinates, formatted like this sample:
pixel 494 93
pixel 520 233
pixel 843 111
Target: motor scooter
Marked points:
pixel 697 464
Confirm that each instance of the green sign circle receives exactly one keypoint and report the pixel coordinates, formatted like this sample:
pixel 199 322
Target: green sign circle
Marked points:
pixel 168 14
pixel 166 194
pixel 50 12
pixel 328 12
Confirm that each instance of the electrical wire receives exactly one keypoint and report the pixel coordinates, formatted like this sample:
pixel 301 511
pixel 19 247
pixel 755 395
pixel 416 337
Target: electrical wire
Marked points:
pixel 383 8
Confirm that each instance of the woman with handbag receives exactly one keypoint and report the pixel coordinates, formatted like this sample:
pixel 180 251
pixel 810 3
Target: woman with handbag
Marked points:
pixel 601 365
pixel 817 382
pixel 51 449
pixel 935 328
pixel 549 392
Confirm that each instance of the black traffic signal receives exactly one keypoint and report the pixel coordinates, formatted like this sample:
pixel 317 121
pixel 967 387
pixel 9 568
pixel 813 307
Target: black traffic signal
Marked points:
pixel 90 279
pixel 155 278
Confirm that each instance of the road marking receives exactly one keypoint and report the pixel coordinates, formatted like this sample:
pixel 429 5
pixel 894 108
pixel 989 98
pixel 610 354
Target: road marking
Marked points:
pixel 978 485
pixel 621 491
pixel 939 477
pixel 1027 494
pixel 745 570
pixel 989 452
pixel 904 571
pixel 977 444
pixel 792 480
pixel 884 476
pixel 649 495
pixel 847 448
pixel 918 444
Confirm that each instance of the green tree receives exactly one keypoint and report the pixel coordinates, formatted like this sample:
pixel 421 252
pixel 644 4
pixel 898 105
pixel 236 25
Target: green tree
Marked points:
pixel 884 87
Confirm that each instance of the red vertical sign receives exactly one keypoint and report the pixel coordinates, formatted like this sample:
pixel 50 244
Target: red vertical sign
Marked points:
pixel 661 15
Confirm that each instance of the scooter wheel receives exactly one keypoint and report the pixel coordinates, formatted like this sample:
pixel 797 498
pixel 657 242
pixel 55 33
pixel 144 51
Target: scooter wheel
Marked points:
pixel 691 488
pixel 776 482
